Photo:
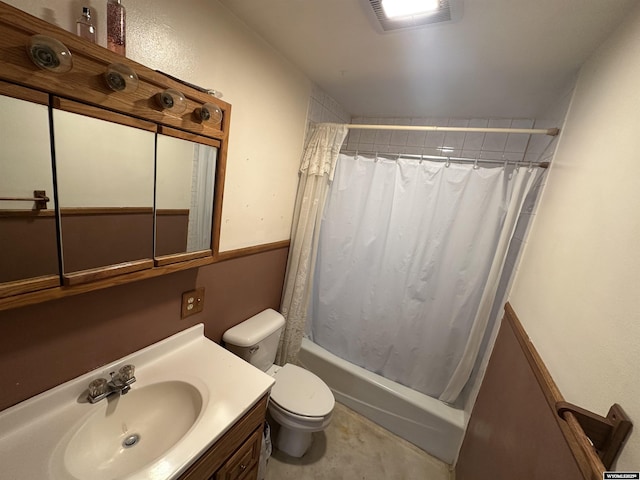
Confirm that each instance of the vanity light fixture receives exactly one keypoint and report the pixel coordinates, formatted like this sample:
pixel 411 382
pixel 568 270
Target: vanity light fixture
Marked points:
pixel 172 100
pixel 121 78
pixel 209 113
pixel 49 54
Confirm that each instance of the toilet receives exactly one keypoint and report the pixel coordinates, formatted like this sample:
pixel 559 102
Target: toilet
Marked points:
pixel 300 402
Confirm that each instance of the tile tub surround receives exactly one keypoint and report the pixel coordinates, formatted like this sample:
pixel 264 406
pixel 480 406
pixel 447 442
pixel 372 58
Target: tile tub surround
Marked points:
pixel 36 432
pixel 323 108
pixel 487 146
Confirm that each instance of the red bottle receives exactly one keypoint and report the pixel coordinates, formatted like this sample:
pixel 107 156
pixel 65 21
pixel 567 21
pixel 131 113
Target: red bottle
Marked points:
pixel 116 23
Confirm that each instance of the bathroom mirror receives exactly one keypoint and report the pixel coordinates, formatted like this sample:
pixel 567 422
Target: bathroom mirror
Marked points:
pixel 81 161
pixel 185 181
pixel 28 240
pixel 104 170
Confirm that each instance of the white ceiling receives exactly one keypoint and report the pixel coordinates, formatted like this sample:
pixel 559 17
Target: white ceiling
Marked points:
pixel 503 58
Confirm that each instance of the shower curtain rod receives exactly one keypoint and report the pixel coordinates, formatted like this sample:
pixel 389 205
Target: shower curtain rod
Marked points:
pixel 434 128
pixel 439 158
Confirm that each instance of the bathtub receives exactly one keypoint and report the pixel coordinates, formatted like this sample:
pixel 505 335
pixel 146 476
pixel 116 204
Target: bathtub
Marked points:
pixel 422 420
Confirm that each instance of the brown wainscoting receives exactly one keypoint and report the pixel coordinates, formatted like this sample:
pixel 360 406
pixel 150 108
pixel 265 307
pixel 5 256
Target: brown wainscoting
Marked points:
pixel 45 344
pixel 28 245
pixel 236 297
pixel 94 237
pixel 514 430
pixel 172 228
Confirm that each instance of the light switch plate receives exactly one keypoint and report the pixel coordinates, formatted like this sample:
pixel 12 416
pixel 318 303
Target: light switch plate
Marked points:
pixel 192 302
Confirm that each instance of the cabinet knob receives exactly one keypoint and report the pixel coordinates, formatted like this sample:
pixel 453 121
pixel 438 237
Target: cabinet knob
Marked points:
pixel 243 467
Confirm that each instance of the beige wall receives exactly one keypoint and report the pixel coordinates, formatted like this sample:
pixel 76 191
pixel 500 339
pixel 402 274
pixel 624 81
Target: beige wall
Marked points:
pixel 577 289
pixel 200 41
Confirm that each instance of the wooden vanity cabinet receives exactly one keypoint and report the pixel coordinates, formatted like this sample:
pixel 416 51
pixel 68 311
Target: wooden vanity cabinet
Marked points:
pixel 244 463
pixel 235 456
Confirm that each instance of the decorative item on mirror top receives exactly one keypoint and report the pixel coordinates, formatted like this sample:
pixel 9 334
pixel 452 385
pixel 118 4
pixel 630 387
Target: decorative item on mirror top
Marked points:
pixel 116 27
pixel 85 27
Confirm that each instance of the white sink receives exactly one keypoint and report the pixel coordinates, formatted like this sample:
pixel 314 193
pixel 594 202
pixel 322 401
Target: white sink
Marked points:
pixel 188 392
pixel 127 432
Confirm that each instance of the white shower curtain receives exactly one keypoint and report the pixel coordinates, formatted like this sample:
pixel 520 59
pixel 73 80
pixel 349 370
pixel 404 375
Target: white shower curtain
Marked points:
pixel 316 173
pixel 405 254
pixel 202 189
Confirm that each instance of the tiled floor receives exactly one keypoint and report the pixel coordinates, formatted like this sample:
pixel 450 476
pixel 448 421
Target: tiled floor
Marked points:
pixel 354 448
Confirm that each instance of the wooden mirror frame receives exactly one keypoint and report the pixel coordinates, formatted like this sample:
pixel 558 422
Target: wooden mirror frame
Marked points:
pixel 38 223
pixel 85 84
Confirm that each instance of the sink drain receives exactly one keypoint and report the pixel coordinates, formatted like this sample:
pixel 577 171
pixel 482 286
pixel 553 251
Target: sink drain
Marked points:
pixel 131 440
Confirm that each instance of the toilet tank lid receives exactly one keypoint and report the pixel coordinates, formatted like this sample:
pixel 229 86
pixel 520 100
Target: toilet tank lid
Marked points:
pixel 255 329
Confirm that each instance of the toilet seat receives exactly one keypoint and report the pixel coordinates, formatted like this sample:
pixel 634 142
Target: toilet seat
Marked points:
pixel 297 422
pixel 301 394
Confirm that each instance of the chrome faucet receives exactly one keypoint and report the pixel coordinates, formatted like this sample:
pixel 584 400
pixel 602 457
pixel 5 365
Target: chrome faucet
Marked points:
pixel 120 383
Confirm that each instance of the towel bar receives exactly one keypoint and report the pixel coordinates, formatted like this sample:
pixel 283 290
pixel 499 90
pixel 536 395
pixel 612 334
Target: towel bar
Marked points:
pixel 607 434
pixel 39 196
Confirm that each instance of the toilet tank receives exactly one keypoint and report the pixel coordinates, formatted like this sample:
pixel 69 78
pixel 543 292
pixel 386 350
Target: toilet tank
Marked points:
pixel 256 339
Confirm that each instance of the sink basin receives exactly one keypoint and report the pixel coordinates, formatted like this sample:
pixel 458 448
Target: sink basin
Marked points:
pixel 189 392
pixel 128 432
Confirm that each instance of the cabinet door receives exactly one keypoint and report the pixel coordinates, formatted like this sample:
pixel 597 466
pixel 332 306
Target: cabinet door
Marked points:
pixel 241 465
pixel 236 453
pixel 185 184
pixel 28 238
pixel 105 177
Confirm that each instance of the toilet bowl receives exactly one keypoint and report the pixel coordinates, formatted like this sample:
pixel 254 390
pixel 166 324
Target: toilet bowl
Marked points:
pixel 300 402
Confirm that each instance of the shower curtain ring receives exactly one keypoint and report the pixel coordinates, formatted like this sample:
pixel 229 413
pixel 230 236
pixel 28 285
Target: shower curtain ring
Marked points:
pixel 421 159
pixel 530 166
pixel 506 162
pixel 448 162
pixel 475 164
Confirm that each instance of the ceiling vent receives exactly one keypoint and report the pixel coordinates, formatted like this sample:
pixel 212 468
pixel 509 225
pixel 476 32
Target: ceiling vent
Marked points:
pixel 446 12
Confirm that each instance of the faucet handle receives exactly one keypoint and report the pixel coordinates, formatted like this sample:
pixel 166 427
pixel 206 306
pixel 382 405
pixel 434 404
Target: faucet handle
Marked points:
pixel 127 373
pixel 98 387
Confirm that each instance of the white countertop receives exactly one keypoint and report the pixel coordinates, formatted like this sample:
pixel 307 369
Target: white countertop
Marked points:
pixel 35 432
